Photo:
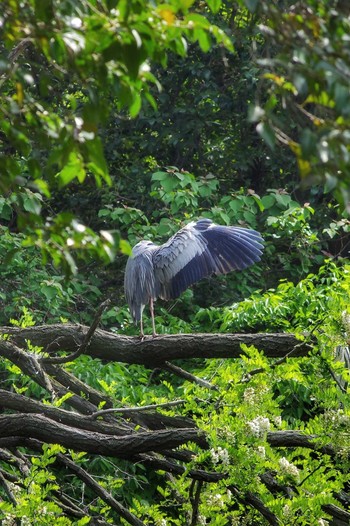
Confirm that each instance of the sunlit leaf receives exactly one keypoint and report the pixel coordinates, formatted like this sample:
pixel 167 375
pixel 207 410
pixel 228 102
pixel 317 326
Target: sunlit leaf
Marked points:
pixel 214 5
pixel 267 133
pixel 74 168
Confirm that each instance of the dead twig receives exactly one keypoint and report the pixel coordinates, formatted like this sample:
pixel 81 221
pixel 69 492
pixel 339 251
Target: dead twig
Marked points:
pixel 86 342
pixel 141 408
pixel 85 477
pixel 188 376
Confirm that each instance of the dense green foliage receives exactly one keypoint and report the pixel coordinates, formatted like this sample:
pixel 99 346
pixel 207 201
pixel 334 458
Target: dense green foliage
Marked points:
pixel 123 120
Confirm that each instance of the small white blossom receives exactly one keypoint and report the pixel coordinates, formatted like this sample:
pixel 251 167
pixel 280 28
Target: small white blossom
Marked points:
pixel 16 490
pixel 202 521
pixel 249 395
pixel 322 522
pixel 145 67
pixel 261 451
pixel 259 426
pixel 10 520
pixel 221 454
pixel 287 512
pixel 214 456
pixel 288 468
pixel 337 417
pixel 216 500
pixel 277 421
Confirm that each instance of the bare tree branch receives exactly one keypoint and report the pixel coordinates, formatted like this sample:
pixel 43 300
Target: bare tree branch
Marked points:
pixel 42 428
pixel 188 376
pixel 291 438
pixel 85 477
pixel 138 409
pixel 171 467
pixel 153 352
pixel 22 404
pixel 86 342
pixel 252 500
pixel 27 362
pixel 100 491
pixel 195 493
pixel 5 485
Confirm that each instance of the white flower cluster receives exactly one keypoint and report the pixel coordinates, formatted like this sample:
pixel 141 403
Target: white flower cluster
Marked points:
pixel 287 511
pixel 249 395
pixel 277 421
pixel 216 500
pixel 259 426
pixel 322 522
pixel 161 522
pixel 10 520
pixel 220 455
pixel 288 468
pixel 25 521
pixel 261 451
pixel 337 417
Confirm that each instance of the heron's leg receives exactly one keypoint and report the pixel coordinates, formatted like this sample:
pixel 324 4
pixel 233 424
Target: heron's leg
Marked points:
pixel 142 334
pixel 151 308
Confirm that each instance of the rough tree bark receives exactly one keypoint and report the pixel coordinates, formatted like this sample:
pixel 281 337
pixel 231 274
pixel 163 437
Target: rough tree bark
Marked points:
pixel 153 352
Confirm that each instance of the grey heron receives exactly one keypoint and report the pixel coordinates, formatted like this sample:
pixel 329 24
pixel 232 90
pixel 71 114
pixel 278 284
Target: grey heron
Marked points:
pixel 198 250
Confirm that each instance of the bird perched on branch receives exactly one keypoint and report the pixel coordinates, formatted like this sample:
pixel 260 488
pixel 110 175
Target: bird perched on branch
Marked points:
pixel 198 250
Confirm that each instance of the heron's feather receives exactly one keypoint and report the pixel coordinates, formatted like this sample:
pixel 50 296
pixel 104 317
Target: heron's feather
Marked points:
pixel 201 249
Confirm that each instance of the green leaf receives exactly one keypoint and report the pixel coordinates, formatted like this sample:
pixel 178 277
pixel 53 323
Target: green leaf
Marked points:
pixel 214 5
pixel 159 176
pixel 31 204
pixel 135 106
pixel 125 247
pixel 97 161
pixel 198 21
pixel 268 201
pixel 203 38
pixel 170 183
pixel 74 168
pixel 267 133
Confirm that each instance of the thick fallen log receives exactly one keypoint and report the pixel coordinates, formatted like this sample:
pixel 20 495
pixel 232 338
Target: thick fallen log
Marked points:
pixel 42 428
pixel 103 441
pixel 153 352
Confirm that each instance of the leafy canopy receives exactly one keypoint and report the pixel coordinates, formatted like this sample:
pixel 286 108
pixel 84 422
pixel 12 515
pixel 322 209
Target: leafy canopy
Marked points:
pixel 66 66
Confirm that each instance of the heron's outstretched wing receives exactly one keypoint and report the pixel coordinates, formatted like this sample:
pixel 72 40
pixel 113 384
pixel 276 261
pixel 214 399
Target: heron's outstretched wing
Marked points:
pixel 201 249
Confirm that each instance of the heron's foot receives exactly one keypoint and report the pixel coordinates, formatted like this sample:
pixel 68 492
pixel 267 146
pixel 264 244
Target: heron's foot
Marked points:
pixel 141 337
pixel 155 334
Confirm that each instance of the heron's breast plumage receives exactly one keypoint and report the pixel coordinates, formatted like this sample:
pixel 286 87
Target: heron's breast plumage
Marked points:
pixel 139 281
